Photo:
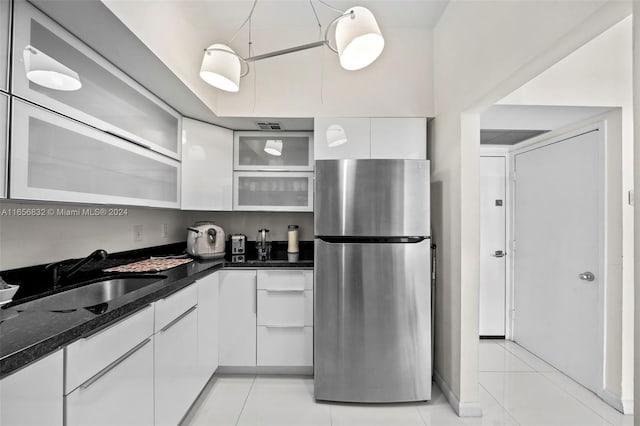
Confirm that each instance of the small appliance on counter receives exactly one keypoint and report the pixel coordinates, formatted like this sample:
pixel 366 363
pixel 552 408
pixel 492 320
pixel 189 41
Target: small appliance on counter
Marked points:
pixel 205 240
pixel 292 248
pixel 238 243
pixel 263 244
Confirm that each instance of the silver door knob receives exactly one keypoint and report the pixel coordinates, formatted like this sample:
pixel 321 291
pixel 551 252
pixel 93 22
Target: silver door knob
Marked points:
pixel 587 276
pixel 499 253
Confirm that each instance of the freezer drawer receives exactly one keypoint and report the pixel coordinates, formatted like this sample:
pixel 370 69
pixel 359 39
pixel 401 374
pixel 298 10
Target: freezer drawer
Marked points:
pixel 372 198
pixel 372 337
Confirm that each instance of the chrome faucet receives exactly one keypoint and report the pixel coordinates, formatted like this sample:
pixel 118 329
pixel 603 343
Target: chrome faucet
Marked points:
pixel 57 276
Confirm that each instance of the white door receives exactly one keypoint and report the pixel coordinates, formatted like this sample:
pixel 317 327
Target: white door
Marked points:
pixel 558 227
pixel 493 184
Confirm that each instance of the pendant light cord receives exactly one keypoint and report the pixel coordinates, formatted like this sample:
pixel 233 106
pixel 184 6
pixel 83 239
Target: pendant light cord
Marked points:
pixel 253 7
pixel 331 7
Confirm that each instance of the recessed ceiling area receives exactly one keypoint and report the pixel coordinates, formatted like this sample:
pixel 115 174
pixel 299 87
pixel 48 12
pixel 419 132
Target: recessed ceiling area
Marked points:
pixel 512 124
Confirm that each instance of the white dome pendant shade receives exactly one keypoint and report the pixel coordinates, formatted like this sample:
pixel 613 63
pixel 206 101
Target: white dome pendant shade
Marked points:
pixel 45 71
pixel 336 135
pixel 358 39
pixel 273 147
pixel 221 69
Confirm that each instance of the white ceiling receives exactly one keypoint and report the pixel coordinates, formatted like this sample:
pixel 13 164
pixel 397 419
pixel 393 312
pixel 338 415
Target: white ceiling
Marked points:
pixel 535 117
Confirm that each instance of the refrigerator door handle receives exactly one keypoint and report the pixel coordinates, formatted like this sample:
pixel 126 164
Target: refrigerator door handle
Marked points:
pixel 373 240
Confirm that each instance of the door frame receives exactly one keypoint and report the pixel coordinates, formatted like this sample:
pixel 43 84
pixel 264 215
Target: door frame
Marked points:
pixel 504 152
pixel 603 260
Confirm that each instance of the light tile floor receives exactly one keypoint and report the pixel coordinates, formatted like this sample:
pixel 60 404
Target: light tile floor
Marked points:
pixel 516 388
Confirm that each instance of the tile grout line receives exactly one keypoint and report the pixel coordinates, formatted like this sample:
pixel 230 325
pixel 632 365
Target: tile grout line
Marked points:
pixel 420 414
pixel 555 370
pixel 578 399
pixel 509 413
pixel 525 362
pixel 246 398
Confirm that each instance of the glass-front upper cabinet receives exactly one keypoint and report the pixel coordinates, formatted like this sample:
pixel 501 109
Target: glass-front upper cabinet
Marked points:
pixel 53 68
pixel 274 191
pixel 54 158
pixel 285 151
pixel 4 140
pixel 5 13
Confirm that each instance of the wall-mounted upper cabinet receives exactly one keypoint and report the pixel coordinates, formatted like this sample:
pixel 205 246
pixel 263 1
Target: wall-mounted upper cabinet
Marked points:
pixel 54 158
pixel 5 13
pixel 207 166
pixel 4 141
pixel 53 68
pixel 378 138
pixel 281 151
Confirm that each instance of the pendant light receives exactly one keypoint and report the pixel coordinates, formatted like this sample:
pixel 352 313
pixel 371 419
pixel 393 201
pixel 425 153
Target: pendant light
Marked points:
pixel 336 136
pixel 358 39
pixel 221 67
pixel 45 71
pixel 273 147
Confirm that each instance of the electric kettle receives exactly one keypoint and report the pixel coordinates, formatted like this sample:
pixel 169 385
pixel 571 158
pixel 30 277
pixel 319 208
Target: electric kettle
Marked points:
pixel 205 240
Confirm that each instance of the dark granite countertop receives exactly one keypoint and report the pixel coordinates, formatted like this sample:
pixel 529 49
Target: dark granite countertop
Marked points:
pixel 26 336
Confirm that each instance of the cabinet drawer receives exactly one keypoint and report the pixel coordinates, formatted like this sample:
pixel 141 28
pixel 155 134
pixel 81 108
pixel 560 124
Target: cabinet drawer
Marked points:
pixel 285 308
pixel 171 307
pixel 285 280
pixel 108 399
pixel 285 346
pixel 88 356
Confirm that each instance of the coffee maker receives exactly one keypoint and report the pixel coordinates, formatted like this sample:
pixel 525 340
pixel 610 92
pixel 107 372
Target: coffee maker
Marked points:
pixel 263 244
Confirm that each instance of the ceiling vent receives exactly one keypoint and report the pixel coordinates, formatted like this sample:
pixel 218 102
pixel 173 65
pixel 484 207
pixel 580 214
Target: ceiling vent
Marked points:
pixel 269 125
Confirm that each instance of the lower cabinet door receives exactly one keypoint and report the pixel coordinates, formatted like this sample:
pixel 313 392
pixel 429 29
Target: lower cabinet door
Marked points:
pixel 285 346
pixel 120 394
pixel 32 396
pixel 207 327
pixel 176 356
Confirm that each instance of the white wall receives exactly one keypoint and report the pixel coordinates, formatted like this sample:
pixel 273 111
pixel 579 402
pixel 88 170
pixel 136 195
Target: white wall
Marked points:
pixel 27 241
pixel 484 50
pixel 600 74
pixel 636 104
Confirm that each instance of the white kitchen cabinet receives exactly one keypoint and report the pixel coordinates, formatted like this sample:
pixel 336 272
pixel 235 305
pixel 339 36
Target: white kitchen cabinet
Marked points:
pixel 88 357
pixel 176 355
pixel 107 370
pixel 296 151
pixel 356 130
pixel 54 158
pixel 208 290
pixel 121 394
pixel 285 346
pixel 4 141
pixel 5 14
pixel 32 396
pixel 285 318
pixel 107 99
pixel 237 318
pixel 273 191
pixel 399 138
pixel 207 166
pixel 375 138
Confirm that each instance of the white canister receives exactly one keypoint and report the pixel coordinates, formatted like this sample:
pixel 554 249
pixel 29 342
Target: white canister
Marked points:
pixel 293 239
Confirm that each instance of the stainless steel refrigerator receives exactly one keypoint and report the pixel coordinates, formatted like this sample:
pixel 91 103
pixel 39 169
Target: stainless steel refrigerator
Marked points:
pixel 372 325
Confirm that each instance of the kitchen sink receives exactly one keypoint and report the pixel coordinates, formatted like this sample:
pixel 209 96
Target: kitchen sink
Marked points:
pixel 92 296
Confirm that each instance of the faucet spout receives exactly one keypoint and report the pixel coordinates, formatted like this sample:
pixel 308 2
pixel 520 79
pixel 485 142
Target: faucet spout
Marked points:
pixel 58 276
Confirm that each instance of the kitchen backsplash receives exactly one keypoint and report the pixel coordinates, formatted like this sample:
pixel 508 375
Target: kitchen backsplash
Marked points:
pixel 248 223
pixel 32 234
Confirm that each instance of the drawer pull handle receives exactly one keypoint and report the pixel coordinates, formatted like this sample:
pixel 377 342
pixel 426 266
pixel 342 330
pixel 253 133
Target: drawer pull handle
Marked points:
pixel 177 320
pixel 114 364
pixel 284 326
pixel 284 290
pixel 104 327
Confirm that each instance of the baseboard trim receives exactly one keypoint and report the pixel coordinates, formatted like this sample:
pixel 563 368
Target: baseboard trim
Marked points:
pixel 462 409
pixel 293 370
pixel 625 406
